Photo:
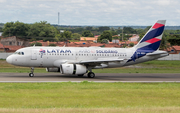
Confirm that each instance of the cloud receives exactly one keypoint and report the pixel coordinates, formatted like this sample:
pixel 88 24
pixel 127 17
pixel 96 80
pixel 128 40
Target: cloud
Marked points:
pixel 90 12
pixel 163 2
pixel 1 1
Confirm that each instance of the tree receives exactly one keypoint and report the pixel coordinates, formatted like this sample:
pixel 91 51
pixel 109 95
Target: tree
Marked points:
pixel 174 40
pixel 52 44
pixel 66 35
pixel 1 29
pixel 105 41
pixel 36 44
pixel 104 28
pixel 76 36
pixel 105 35
pixel 89 28
pixel 87 33
pixel 116 37
pixel 15 29
pixel 131 44
pixel 163 44
pixel 129 30
pixel 113 32
pixel 42 29
pixel 57 37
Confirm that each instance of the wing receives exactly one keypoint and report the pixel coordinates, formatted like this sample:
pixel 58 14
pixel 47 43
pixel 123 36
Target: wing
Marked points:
pixel 100 60
pixel 92 63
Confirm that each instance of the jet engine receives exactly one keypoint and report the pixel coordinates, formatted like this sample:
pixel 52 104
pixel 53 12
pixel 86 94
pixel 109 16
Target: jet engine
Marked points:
pixel 53 69
pixel 73 69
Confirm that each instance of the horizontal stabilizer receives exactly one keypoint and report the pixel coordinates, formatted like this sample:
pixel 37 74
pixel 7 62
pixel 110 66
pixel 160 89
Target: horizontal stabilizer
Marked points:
pixel 157 53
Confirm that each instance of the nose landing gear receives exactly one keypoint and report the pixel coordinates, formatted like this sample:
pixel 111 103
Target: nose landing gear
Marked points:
pixel 32 72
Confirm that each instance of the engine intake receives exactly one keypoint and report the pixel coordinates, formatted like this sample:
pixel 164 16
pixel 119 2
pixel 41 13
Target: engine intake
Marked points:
pixel 73 69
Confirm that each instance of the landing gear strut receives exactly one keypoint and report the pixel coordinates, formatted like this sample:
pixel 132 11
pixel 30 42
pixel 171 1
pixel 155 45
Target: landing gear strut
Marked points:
pixel 32 72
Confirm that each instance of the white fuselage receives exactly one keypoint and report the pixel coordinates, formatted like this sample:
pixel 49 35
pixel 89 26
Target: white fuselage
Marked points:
pixel 55 56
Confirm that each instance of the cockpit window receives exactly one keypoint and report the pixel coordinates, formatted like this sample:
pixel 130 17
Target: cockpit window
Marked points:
pixel 19 53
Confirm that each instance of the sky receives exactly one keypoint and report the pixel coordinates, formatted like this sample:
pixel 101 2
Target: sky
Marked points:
pixel 91 12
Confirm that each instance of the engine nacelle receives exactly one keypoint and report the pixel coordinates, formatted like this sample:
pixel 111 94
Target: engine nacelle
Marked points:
pixel 73 69
pixel 53 69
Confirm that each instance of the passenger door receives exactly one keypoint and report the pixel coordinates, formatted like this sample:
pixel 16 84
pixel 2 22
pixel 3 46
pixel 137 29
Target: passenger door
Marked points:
pixel 33 54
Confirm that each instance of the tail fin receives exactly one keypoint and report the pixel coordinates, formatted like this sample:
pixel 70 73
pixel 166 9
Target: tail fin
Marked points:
pixel 152 39
pixel 150 42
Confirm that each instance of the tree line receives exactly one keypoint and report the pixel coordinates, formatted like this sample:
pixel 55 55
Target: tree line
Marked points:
pixel 46 32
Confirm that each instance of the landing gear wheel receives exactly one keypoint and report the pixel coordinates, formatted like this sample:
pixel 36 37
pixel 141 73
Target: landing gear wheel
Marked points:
pixel 32 72
pixel 81 75
pixel 31 75
pixel 91 75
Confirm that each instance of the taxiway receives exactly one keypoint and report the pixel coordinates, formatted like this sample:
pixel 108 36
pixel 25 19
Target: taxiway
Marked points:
pixel 100 77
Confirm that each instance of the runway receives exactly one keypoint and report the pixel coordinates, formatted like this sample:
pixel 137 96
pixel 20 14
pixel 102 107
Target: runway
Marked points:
pixel 100 77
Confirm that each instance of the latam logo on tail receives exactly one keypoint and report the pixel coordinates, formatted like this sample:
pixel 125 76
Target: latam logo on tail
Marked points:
pixel 150 42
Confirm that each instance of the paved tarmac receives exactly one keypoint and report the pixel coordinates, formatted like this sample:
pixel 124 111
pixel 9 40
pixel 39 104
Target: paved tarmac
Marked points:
pixel 100 77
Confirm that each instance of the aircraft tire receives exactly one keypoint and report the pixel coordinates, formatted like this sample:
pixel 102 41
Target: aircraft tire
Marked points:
pixel 91 75
pixel 31 75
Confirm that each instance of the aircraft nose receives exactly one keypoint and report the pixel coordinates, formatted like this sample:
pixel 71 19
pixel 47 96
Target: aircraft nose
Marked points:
pixel 9 59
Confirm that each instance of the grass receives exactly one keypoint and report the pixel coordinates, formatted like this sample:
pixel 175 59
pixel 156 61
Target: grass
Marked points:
pixel 147 67
pixel 89 97
pixel 95 110
pixel 92 97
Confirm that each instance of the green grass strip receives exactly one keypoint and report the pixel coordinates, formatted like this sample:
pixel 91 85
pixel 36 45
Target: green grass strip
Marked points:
pixel 89 95
pixel 147 67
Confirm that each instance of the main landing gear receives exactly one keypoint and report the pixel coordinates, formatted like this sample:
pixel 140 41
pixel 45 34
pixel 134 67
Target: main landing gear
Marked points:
pixel 91 75
pixel 32 72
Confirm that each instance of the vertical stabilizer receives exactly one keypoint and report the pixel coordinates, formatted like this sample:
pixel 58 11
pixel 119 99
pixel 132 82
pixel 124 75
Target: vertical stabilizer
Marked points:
pixel 151 40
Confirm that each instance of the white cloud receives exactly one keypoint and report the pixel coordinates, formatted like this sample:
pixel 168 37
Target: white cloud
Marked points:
pixel 91 12
pixel 164 2
pixel 1 1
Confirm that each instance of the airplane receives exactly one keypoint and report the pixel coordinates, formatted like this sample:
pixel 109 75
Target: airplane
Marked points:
pixel 81 60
